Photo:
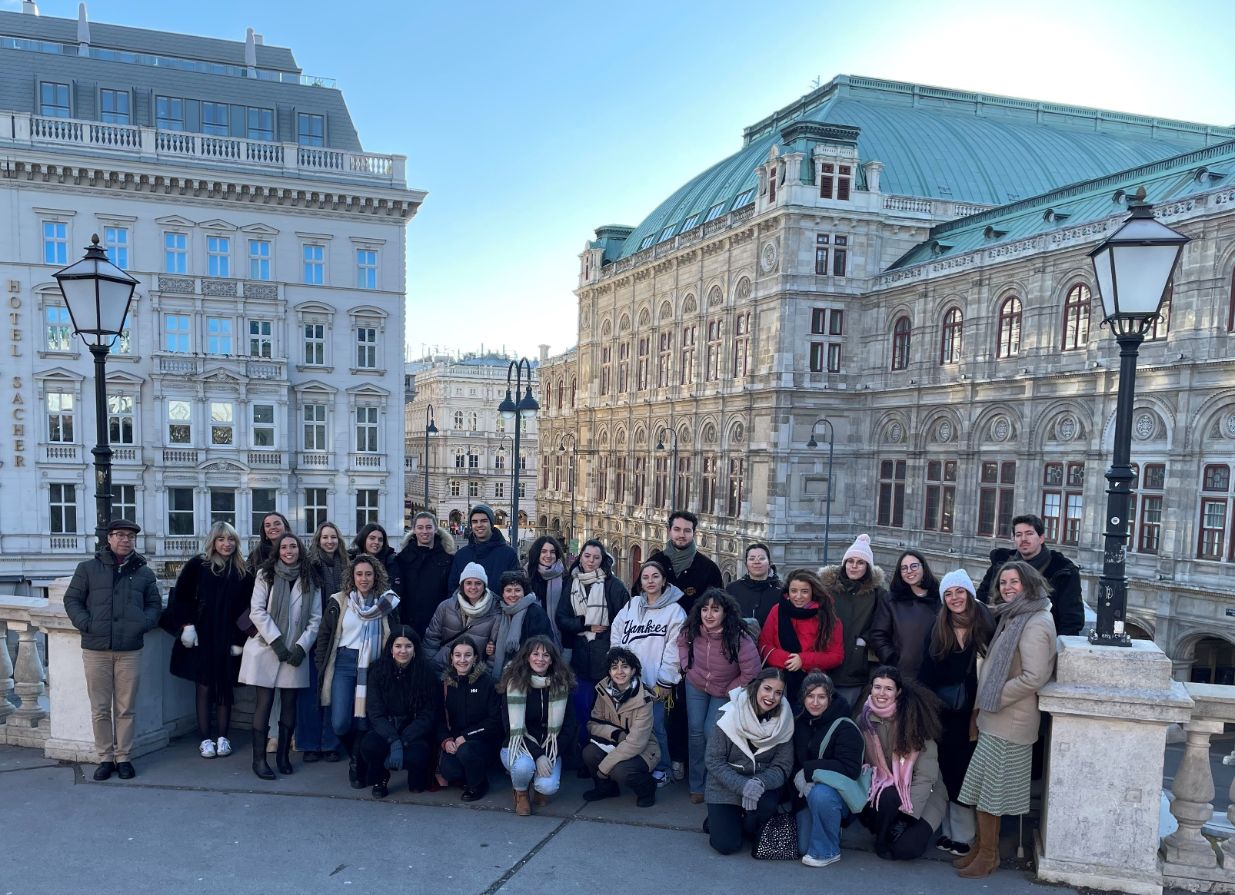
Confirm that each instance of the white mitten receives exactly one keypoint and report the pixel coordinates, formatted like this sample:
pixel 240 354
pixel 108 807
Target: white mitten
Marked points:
pixel 189 636
pixel 237 651
pixel 801 784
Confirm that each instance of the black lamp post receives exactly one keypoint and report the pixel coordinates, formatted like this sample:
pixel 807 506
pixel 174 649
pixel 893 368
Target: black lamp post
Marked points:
pixel 660 446
pixel 513 409
pixel 98 295
pixel 1133 268
pixel 574 464
pixel 430 429
pixel 827 518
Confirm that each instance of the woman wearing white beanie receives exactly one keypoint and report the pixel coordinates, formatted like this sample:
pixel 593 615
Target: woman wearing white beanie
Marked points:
pixel 472 610
pixel 856 588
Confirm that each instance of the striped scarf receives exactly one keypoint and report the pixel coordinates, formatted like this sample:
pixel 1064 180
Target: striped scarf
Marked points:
pixel 516 712
pixel 371 613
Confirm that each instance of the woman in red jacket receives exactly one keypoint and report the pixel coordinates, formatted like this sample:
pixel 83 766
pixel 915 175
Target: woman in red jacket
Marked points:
pixel 802 633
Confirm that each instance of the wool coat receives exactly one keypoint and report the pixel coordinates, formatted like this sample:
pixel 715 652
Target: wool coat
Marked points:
pixel 1018 718
pixel 854 603
pixel 588 658
pixel 211 602
pixel 900 627
pixel 259 665
pixel 692 581
pixel 1061 573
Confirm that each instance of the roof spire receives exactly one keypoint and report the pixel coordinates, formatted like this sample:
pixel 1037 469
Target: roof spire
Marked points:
pixel 83 30
pixel 250 52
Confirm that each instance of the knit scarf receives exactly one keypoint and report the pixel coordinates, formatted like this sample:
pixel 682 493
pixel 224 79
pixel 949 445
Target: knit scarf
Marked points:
pixel 620 695
pixel 553 592
pixel 370 610
pixel 587 599
pixel 741 723
pixel 508 633
pixel 472 612
pixel 516 714
pixel 900 774
pixel 680 557
pixel 785 632
pixel 279 604
pixel 1013 617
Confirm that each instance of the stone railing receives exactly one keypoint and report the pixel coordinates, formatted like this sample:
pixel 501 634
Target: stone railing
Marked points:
pixel 25 721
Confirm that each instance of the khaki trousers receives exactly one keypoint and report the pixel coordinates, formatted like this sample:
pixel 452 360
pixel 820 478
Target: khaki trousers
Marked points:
pixel 111 681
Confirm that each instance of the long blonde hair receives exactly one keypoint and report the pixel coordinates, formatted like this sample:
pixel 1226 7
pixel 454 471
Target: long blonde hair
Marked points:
pixel 219 562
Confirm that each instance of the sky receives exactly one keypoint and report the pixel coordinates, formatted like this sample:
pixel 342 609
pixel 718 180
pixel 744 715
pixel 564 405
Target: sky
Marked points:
pixel 531 124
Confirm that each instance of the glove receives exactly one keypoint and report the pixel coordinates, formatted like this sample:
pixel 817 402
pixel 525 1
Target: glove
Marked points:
pixel 280 649
pixel 751 794
pixel 544 767
pixel 295 656
pixel 394 761
pixel 188 636
pixel 801 784
pixel 237 651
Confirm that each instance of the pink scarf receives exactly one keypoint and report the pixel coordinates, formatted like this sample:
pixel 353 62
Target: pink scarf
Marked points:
pixel 900 774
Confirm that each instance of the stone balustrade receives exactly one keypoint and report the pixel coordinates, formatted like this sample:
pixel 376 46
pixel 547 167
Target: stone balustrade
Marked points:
pixel 23 724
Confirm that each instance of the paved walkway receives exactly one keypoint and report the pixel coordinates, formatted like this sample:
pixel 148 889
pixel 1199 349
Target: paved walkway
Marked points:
pixel 186 824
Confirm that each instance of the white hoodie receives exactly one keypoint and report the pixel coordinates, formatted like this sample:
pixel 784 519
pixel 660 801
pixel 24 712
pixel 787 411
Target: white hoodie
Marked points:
pixel 651 633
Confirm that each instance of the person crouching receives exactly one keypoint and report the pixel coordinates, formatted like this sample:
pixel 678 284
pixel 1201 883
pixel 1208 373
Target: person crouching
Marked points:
pixel 622 749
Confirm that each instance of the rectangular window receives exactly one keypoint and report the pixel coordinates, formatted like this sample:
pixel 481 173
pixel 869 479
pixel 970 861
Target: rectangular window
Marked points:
pixel 891 510
pixel 707 484
pixel 54 100
pixel 216 119
pixel 997 481
pixel 366 348
pixel 711 362
pixel 314 427
pixel 175 252
pixel 473 460
pixel 123 501
pixel 1062 501
pixel 940 495
pixel 818 356
pixel 1150 500
pixel 259 125
pixel 316 510
pixel 169 113
pixel 664 359
pixel 686 367
pixel 218 256
pixel 456 488
pixel 59 328
pixel 835 181
pixel 261 505
pixel 822 249
pixel 499 490
pixel 310 129
pixel 259 259
pixel 222 423
pixel 60 417
pixel 219 335
pixel 180 511
pixel 114 106
pixel 176 333
pixel 638 478
pixel 366 430
pixel 684 480
pixel 263 425
pixel 366 507
pixel 116 244
pixel 223 505
pixel 120 421
pixel 1215 512
pixel 840 256
pixel 62 506
pixel 366 268
pixel 314 264
pixel 179 422
pixel 261 338
pixel 473 489
pixel 55 242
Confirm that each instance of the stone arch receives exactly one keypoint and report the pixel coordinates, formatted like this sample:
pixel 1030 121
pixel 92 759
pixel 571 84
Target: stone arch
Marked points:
pixel 619 440
pixel 707 432
pixel 624 325
pixel 1212 412
pixel 742 288
pixel 1001 292
pixel 892 429
pixel 735 439
pixel 641 436
pixel 716 296
pixel 666 312
pixel 982 432
pixel 685 436
pixel 602 438
pixel 645 317
pixel 947 302
pixel 940 426
pixel 1054 424
pixel 689 305
pixel 1185 648
pixel 606 328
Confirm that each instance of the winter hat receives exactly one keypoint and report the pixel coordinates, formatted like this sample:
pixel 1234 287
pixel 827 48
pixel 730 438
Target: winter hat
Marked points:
pixel 958 578
pixel 861 549
pixel 474 570
pixel 483 508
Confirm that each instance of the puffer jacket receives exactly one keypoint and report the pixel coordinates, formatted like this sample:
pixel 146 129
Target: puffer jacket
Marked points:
pixel 628 725
pixel 899 630
pixel 473 707
pixel 854 602
pixel 756 598
pixel 113 605
pixel 423 575
pixel 707 666
pixel 449 622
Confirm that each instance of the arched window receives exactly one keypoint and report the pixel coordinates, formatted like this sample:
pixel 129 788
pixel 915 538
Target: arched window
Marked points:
pixel 1009 327
pixel 900 343
pixel 950 342
pixel 1158 329
pixel 560 391
pixel 1076 317
pixel 458 419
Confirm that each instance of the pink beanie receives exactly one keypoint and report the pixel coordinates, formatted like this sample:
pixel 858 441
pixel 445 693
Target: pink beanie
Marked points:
pixel 861 549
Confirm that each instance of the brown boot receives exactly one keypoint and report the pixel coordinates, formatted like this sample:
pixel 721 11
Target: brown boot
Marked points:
pixel 966 859
pixel 523 808
pixel 987 861
pixel 540 799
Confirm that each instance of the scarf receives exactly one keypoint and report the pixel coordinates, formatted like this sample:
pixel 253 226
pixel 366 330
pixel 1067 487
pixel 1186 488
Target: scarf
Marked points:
pixel 516 713
pixel 785 632
pixel 279 604
pixel 1012 618
pixel 553 590
pixel 587 599
pixel 900 774
pixel 508 634
pixel 742 725
pixel 326 565
pixel 618 695
pixel 680 557
pixel 469 612
pixel 370 610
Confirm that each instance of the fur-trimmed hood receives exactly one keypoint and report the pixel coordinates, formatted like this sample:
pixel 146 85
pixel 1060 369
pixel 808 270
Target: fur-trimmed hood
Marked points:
pixel 443 537
pixel 834 579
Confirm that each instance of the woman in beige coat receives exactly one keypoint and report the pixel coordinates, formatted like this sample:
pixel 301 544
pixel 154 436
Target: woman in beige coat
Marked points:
pixel 621 748
pixel 1019 661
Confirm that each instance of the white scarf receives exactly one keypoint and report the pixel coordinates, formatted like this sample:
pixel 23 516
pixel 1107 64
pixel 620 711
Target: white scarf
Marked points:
pixel 587 598
pixel 481 608
pixel 740 723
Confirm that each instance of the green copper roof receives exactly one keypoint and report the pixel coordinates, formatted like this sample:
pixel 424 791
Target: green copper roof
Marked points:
pixel 943 144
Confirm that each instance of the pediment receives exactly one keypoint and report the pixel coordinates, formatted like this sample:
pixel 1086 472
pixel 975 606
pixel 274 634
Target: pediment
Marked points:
pixel 222 466
pixel 59 373
pixel 175 220
pixel 316 385
pixel 265 229
pixel 368 390
pixel 217 224
pixel 123 377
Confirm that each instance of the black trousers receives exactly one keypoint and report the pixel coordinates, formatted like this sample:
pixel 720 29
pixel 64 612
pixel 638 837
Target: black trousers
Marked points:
pixel 898 836
pixel 633 773
pixel 416 755
pixel 727 824
pixel 469 766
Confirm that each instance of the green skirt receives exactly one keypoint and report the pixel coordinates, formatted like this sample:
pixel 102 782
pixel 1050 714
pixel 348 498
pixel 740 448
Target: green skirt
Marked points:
pixel 997 781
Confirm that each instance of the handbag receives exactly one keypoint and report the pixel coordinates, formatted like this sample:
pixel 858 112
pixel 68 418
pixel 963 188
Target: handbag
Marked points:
pixel 778 840
pixel 245 624
pixel 853 792
pixel 953 697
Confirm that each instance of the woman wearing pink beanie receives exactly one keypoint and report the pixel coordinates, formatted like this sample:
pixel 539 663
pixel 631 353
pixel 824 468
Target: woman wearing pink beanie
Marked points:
pixel 856 588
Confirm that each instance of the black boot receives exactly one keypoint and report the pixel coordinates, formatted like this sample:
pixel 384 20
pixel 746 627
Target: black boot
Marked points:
pixel 602 789
pixel 282 757
pixel 645 792
pixel 355 774
pixel 260 767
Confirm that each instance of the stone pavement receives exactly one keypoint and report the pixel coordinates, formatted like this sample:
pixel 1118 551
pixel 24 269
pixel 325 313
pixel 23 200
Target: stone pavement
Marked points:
pixel 186 824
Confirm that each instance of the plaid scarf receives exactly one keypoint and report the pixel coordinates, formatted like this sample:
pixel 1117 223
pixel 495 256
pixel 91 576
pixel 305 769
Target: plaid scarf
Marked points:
pixel 587 599
pixel 371 612
pixel 516 712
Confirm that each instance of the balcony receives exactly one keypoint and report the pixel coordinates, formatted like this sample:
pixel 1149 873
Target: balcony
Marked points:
pixel 125 455
pixel 266 458
pixel 181 456
pixel 369 462
pixel 67 543
pixel 313 459
pixel 180 364
pixel 266 368
pixel 62 453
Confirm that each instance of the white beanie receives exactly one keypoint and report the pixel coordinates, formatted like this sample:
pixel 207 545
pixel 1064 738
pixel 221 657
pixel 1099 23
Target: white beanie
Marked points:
pixel 861 549
pixel 474 570
pixel 957 578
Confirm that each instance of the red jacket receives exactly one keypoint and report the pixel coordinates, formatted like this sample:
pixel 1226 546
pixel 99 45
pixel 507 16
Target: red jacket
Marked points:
pixel 806 628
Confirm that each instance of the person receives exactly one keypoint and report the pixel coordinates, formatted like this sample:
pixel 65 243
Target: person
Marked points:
pixel 273 526
pixel 546 572
pixel 212 590
pixel 472 609
pixel 403 707
pixel 1019 661
pixel 821 810
pixel 485 545
pixel 802 633
pixel 749 758
pixel 584 618
pixel 900 726
pixel 519 618
pixel 958 639
pixel 856 588
pixel 113 600
pixel 903 621
pixel 373 540
pixel 1061 573
pixel 287 612
pixel 648 626
pixel 621 749
pixel 424 567
pixel 537 685
pixel 759 589
pixel 716 654
pixel 471 726
pixel 686 568
pixel 315 736
pixel 354 629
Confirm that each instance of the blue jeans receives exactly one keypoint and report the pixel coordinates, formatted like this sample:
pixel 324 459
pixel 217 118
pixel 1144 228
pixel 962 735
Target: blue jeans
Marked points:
pixel 313 729
pixel 819 822
pixel 343 694
pixel 661 732
pixel 702 710
pixel 523 774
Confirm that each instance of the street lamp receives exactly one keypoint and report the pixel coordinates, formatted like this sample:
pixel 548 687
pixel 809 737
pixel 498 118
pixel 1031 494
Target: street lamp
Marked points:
pixel 513 410
pixel 502 450
pixel 430 429
pixel 660 446
pixel 98 295
pixel 574 464
pixel 1133 268
pixel 827 518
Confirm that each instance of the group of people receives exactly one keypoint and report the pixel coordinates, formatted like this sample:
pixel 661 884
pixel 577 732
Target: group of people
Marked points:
pixel 825 695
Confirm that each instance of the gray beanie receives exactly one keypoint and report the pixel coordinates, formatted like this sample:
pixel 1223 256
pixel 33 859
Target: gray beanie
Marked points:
pixel 483 508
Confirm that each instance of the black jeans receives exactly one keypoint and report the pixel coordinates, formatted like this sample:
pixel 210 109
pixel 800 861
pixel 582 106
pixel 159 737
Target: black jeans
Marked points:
pixel 416 754
pixel 898 836
pixel 633 773
pixel 728 823
pixel 469 766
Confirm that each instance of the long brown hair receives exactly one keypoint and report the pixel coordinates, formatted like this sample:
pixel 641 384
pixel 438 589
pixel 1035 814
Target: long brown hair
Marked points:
pixel 917 713
pixel 827 613
pixel 974 617
pixel 518 671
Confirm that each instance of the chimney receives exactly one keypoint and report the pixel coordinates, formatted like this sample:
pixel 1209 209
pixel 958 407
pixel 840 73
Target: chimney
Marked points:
pixel 30 8
pixel 83 31
pixel 873 170
pixel 250 52
pixel 544 352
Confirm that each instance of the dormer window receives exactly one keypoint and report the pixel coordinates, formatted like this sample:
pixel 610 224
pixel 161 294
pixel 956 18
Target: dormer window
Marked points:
pixel 691 222
pixel 666 233
pixel 742 199
pixel 835 181
pixel 714 212
pixel 647 241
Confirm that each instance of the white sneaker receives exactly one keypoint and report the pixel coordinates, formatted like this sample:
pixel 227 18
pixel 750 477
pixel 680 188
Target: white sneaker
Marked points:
pixel 224 748
pixel 662 779
pixel 819 862
pixel 207 749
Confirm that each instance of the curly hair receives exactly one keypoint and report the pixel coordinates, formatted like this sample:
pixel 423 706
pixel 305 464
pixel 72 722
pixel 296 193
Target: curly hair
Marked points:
pixel 518 671
pixel 267 570
pixel 827 612
pixel 900 588
pixel 732 629
pixel 917 713
pixel 381 582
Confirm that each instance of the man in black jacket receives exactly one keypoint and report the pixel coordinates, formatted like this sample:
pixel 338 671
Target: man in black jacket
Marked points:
pixel 113 599
pixel 424 565
pixel 485 545
pixel 1029 536
pixel 690 570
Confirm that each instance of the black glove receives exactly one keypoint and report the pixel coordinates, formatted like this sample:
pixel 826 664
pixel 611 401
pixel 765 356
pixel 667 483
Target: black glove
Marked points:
pixel 280 649
pixel 394 761
pixel 296 656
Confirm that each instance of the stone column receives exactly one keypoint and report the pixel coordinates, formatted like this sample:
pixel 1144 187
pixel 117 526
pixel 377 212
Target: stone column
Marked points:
pixel 1100 809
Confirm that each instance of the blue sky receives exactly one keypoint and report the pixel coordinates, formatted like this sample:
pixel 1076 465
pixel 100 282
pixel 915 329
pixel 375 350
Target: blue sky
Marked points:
pixel 530 124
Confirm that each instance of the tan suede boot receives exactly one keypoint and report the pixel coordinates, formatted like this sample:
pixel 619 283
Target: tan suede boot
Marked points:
pixel 987 861
pixel 523 807
pixel 965 860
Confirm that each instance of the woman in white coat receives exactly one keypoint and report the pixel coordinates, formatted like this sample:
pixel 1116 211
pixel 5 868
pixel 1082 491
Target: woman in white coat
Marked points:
pixel 287 611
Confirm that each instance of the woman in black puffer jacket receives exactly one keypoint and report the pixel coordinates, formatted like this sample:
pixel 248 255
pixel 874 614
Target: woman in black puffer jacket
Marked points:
pixel 471 728
pixel 403 704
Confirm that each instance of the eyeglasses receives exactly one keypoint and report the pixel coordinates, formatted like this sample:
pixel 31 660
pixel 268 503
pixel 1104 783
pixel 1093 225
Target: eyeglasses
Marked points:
pixel 911 567
pixel 122 535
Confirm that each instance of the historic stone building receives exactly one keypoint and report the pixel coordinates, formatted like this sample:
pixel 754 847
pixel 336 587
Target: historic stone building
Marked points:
pixel 262 364
pixel 910 265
